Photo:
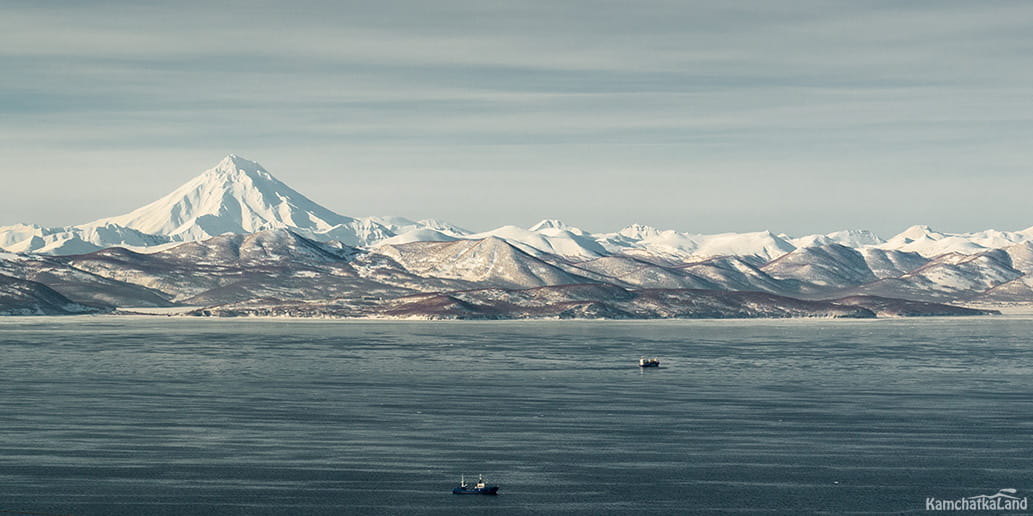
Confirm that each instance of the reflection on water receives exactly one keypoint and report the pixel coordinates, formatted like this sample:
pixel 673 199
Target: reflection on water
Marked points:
pixel 181 416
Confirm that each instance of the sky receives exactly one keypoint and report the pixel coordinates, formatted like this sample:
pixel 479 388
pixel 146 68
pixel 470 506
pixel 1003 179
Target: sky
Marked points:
pixel 795 116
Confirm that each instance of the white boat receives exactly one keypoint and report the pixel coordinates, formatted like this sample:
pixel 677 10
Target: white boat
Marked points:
pixel 649 362
pixel 480 488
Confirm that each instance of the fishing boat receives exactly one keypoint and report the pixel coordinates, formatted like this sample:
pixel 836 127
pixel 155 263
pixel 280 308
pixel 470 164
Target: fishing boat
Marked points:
pixel 649 362
pixel 479 488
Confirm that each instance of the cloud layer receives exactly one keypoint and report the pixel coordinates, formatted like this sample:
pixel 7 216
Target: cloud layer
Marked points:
pixel 799 117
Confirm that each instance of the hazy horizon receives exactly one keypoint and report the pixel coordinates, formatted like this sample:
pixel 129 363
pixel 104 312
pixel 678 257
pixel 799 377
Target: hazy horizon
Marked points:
pixel 801 117
pixel 477 228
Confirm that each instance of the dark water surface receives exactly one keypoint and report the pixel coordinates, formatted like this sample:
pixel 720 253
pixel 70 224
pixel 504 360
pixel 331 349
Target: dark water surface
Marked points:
pixel 141 416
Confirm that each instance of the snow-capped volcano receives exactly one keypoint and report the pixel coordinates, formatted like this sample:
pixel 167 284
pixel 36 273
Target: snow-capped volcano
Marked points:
pixel 235 196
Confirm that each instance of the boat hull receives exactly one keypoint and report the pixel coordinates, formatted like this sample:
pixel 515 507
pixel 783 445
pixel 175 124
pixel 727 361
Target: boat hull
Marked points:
pixel 487 490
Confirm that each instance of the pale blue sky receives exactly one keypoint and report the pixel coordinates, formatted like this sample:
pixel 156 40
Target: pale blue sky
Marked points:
pixel 797 117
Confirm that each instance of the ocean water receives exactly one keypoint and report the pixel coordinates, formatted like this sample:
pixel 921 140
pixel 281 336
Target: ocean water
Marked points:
pixel 159 416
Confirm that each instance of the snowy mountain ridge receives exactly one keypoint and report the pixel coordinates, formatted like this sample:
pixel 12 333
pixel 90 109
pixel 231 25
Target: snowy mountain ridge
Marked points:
pixel 238 241
pixel 239 196
pixel 279 272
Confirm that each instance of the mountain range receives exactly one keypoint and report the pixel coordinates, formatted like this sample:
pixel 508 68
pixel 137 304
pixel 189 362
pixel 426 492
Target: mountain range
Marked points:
pixel 236 240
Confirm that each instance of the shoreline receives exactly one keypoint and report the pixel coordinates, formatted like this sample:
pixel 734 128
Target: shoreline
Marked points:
pixel 183 316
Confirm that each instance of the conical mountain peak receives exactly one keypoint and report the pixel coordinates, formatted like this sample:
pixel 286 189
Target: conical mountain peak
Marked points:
pixel 237 195
pixel 916 232
pixel 233 168
pixel 549 224
pixel 235 163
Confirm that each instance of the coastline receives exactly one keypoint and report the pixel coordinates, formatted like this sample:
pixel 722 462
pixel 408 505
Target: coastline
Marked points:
pixel 182 313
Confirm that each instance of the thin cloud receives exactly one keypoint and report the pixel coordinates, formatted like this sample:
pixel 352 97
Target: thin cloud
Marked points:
pixel 678 93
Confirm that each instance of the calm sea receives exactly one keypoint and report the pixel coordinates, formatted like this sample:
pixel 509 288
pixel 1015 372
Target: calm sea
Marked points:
pixel 157 416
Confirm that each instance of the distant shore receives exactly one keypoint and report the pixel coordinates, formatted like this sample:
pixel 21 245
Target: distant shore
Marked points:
pixel 1012 309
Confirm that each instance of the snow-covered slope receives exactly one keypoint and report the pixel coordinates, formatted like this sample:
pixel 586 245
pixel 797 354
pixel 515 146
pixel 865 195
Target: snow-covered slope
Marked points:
pixel 632 272
pixel 271 245
pixel 735 273
pixel 18 235
pixel 549 237
pixel 851 238
pixel 929 243
pixel 1021 256
pixel 831 265
pixel 22 238
pixel 949 276
pixel 492 261
pixel 685 247
pixel 891 263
